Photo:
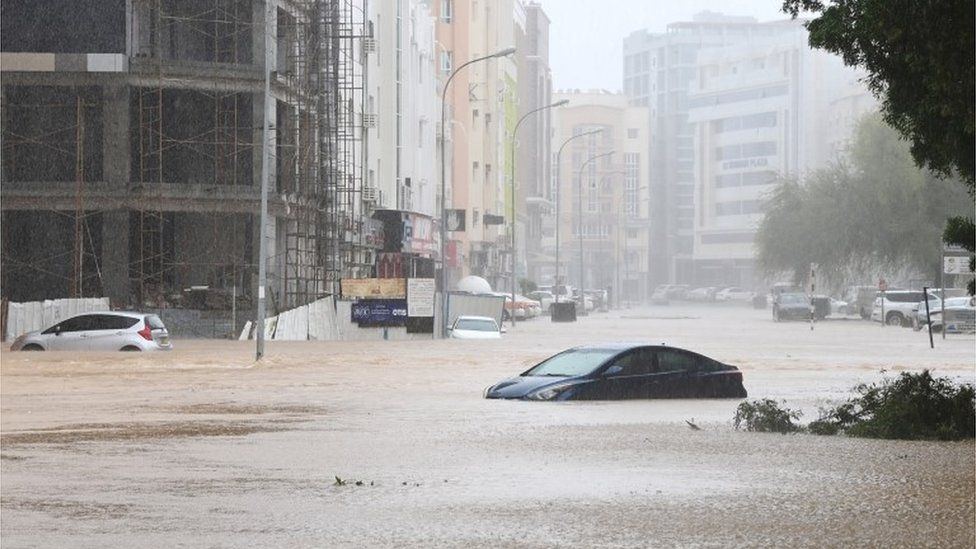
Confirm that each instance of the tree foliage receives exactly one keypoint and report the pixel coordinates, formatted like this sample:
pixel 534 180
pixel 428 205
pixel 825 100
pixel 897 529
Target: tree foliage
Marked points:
pixel 913 406
pixel 919 56
pixel 876 213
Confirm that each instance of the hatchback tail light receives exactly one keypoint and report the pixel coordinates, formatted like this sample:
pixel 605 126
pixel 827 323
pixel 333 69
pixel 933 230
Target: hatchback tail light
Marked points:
pixel 146 331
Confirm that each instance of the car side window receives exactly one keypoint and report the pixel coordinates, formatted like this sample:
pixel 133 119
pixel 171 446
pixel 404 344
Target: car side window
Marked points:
pixel 635 363
pixel 75 324
pixel 671 360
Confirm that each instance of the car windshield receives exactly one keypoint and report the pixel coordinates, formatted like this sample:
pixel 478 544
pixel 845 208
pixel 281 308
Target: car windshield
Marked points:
pixel 791 299
pixel 575 362
pixel 476 325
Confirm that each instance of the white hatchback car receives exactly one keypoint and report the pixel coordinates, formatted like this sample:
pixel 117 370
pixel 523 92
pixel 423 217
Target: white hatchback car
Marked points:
pixel 101 331
pixel 475 327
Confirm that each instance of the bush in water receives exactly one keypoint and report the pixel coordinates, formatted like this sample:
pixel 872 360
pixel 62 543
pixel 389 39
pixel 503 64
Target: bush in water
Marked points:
pixel 766 416
pixel 909 407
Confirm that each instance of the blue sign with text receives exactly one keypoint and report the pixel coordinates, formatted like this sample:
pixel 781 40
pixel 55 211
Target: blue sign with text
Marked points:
pixel 380 312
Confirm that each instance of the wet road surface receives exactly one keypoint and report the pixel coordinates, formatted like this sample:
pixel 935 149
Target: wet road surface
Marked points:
pixel 202 447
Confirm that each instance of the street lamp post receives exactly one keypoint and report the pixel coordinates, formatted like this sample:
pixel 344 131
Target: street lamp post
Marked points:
pixel 265 167
pixel 559 169
pixel 443 228
pixel 580 223
pixel 514 136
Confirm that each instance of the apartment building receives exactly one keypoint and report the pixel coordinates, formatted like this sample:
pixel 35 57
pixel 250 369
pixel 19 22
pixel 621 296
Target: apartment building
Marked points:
pixel 402 111
pixel 132 138
pixel 765 107
pixel 659 71
pixel 534 142
pixel 480 117
pixel 602 190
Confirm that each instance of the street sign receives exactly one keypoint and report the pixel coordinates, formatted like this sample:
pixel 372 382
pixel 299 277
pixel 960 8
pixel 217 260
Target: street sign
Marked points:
pixel 882 285
pixel 954 249
pixel 955 265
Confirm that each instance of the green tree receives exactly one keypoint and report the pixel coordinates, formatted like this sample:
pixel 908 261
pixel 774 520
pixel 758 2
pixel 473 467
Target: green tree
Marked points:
pixel 877 213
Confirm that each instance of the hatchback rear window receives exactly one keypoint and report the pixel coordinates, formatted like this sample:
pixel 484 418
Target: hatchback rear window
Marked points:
pixel 155 322
pixel 112 322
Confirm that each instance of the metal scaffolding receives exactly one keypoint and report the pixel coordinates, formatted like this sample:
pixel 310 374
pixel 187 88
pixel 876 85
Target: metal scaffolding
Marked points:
pixel 192 86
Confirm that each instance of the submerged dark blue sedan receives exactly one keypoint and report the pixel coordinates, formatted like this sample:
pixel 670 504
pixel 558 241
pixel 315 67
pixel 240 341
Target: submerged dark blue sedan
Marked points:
pixel 623 371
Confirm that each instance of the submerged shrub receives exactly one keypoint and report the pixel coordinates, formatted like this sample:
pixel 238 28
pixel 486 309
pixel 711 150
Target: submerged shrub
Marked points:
pixel 766 416
pixel 913 406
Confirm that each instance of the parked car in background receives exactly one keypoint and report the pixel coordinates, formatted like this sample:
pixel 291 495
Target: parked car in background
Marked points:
pixel 532 307
pixel 678 291
pixel 523 307
pixel 783 288
pixel 838 307
pixel 600 298
pixel 475 327
pixel 564 291
pixel 583 303
pixel 660 295
pixel 100 331
pixel 860 300
pixel 920 319
pixel 960 316
pixel 897 305
pixel 701 294
pixel 734 293
pixel 545 299
pixel 791 306
pixel 623 371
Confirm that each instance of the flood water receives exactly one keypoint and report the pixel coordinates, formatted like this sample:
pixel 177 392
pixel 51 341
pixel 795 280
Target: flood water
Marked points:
pixel 389 444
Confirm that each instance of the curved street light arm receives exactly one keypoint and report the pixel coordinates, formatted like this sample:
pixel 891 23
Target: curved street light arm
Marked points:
pixel 559 103
pixel 559 168
pixel 580 221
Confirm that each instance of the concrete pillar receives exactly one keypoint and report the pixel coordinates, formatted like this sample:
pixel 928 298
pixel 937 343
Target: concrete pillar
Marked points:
pixel 116 138
pixel 115 256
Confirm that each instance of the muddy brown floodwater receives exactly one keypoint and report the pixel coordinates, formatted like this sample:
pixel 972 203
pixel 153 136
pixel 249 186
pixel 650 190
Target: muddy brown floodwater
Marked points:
pixel 202 447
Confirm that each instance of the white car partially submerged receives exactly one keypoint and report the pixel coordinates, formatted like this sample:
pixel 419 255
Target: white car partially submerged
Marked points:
pixel 475 327
pixel 99 331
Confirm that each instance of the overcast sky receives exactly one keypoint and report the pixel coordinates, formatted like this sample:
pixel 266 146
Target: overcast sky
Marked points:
pixel 586 36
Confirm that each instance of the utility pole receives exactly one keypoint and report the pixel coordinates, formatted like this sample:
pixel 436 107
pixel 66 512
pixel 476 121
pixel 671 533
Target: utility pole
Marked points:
pixel 265 161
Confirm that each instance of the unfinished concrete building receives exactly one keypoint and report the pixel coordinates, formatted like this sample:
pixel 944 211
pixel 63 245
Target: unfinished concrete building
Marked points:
pixel 132 149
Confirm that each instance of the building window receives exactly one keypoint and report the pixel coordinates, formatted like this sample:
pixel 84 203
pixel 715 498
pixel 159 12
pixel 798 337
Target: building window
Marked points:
pixel 447 10
pixel 447 61
pixel 631 178
pixel 632 133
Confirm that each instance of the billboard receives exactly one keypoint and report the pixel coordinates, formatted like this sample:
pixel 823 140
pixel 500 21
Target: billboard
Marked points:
pixel 380 312
pixel 374 287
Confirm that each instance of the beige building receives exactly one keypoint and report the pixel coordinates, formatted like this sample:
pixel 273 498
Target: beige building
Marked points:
pixel 613 216
pixel 480 116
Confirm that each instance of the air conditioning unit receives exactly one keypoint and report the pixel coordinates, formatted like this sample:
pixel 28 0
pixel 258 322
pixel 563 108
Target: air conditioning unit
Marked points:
pixel 371 194
pixel 369 120
pixel 369 45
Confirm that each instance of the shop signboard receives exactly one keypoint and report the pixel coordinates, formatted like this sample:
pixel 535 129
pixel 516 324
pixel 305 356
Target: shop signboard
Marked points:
pixel 374 288
pixel 380 312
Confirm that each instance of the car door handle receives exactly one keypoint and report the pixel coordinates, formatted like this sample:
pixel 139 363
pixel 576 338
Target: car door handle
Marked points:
pixel 119 333
pixel 83 335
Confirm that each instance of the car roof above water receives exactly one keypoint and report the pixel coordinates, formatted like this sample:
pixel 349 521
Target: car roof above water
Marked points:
pixel 617 346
